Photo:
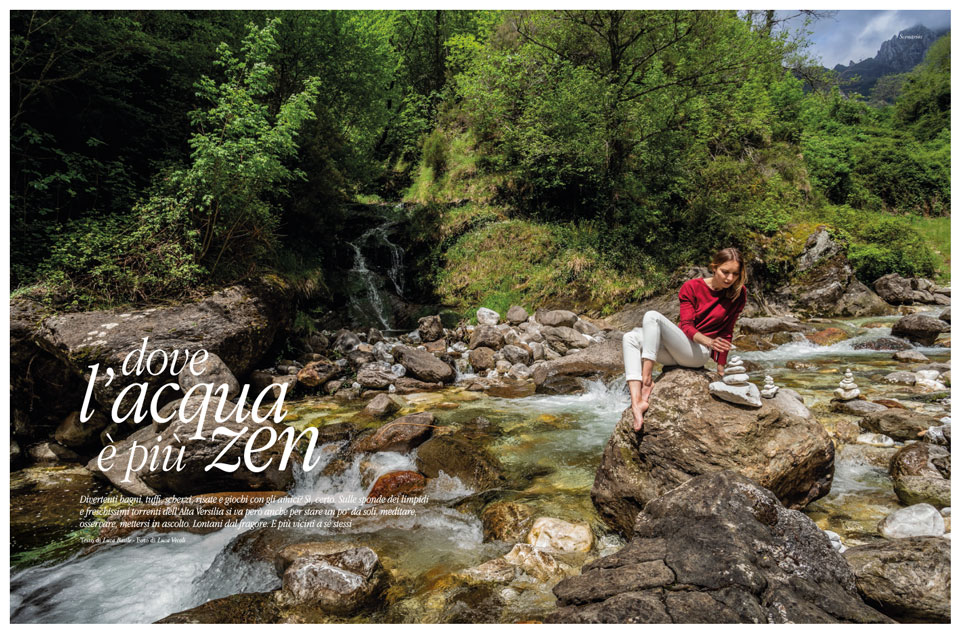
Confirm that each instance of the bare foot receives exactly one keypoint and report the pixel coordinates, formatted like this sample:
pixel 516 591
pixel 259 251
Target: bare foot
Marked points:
pixel 645 391
pixel 638 410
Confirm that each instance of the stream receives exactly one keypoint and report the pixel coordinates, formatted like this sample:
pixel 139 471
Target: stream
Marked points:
pixel 555 442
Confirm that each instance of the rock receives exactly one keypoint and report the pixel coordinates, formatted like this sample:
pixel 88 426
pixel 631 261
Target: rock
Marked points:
pixel 402 435
pixel 340 583
pixel 564 338
pixel 514 354
pixel 399 482
pixel 460 458
pixel 486 316
pixel 516 315
pixel 819 246
pixel 73 433
pixel 376 376
pixel 502 366
pixel 900 424
pixel 556 318
pixel 687 432
pixel 921 519
pixel 587 328
pixel 827 336
pixel 558 535
pixel 423 365
pixel 747 394
pixel 771 325
pixel 430 328
pixel 486 336
pixel 519 372
pixel 481 359
pixel 345 341
pixel 536 562
pixel 605 359
pixel 884 343
pixel 945 315
pixel 790 402
pixel 910 356
pixel 317 372
pixel 51 452
pixel 855 407
pixel 561 385
pixel 894 289
pixel 242 608
pixel 285 557
pixel 929 490
pixel 383 405
pixel 203 514
pixel 412 385
pixel 506 521
pixel 938 367
pixel 901 378
pixel 718 548
pixel 212 370
pixel 908 578
pixel 919 328
pixel 847 431
pixel 261 381
pixel 198 453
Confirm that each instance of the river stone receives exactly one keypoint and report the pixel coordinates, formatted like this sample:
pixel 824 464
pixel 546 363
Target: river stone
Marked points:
pixel 910 356
pixel 516 315
pixel 241 608
pixel 486 316
pixel 556 318
pixel 790 402
pixel 718 548
pixel 345 341
pixel 383 404
pixel 561 385
pixel 930 490
pixel 290 553
pixel 481 359
pixel 558 535
pixel 900 424
pixel 461 458
pixel 940 367
pixel 317 372
pixel 519 372
pixel 771 325
pixel 895 289
pixel 511 337
pixel 908 578
pixel 340 583
pixel 855 407
pixel 901 378
pixel 430 328
pixel 921 519
pixel 51 453
pixel 919 328
pixel 605 359
pixel 945 315
pixel 423 365
pixel 399 482
pixel 536 562
pixel 401 435
pixel 746 394
pixel 514 354
pixel 486 336
pixel 827 336
pixel 506 521
pixel 884 343
pixel 562 338
pixel 687 432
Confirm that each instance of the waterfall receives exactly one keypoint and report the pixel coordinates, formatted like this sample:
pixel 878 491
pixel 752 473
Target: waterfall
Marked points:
pixel 371 277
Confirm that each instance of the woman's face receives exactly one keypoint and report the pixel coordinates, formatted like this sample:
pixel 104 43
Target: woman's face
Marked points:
pixel 727 273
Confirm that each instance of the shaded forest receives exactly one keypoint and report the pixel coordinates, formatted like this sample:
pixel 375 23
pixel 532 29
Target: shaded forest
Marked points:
pixel 583 155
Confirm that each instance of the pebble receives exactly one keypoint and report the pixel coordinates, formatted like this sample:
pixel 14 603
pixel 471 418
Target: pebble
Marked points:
pixel 921 519
pixel 875 439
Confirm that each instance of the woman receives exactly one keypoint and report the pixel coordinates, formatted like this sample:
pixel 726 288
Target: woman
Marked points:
pixel 709 308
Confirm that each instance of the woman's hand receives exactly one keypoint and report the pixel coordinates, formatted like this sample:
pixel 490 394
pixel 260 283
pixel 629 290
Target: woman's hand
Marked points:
pixel 719 345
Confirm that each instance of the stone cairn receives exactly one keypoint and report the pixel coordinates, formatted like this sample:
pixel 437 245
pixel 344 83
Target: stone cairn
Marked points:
pixel 847 389
pixel 736 386
pixel 769 389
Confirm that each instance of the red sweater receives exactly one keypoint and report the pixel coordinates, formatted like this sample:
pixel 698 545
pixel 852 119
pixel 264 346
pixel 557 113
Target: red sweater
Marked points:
pixel 704 310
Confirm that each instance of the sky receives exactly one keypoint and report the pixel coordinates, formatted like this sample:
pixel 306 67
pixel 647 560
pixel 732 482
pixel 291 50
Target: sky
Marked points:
pixel 856 35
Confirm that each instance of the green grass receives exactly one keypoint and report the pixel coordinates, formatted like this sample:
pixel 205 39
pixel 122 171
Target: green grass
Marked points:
pixel 936 232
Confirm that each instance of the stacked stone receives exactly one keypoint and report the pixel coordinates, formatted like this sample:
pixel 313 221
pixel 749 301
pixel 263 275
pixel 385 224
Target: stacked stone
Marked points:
pixel 848 389
pixel 736 386
pixel 769 389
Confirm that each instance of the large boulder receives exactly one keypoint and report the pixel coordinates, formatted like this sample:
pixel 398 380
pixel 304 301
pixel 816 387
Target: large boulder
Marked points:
pixel 237 324
pixel 718 548
pixel 486 336
pixel 340 583
pixel 423 365
pixel 401 435
pixel 461 458
pixel 908 579
pixel 771 325
pixel 430 328
pixel 905 291
pixel 921 474
pixel 556 318
pixel 687 432
pixel 604 359
pixel 563 338
pixel 919 328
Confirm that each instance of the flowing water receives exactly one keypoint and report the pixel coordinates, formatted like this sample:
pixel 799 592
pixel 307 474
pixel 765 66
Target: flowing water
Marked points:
pixel 550 447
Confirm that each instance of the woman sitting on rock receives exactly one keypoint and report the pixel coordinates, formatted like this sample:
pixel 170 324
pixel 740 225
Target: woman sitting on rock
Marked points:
pixel 709 308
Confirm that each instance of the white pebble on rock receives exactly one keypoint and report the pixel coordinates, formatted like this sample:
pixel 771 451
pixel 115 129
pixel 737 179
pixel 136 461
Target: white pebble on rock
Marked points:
pixel 921 519
pixel 486 316
pixel 875 439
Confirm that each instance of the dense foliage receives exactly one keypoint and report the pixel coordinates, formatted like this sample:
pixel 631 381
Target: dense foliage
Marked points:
pixel 154 153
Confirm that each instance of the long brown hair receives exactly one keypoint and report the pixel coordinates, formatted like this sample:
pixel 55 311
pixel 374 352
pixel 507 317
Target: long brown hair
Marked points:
pixel 723 256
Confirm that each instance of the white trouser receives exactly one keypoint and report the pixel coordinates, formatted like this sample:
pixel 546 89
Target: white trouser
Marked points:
pixel 661 341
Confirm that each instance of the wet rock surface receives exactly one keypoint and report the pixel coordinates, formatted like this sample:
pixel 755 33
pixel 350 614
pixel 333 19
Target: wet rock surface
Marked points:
pixel 719 548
